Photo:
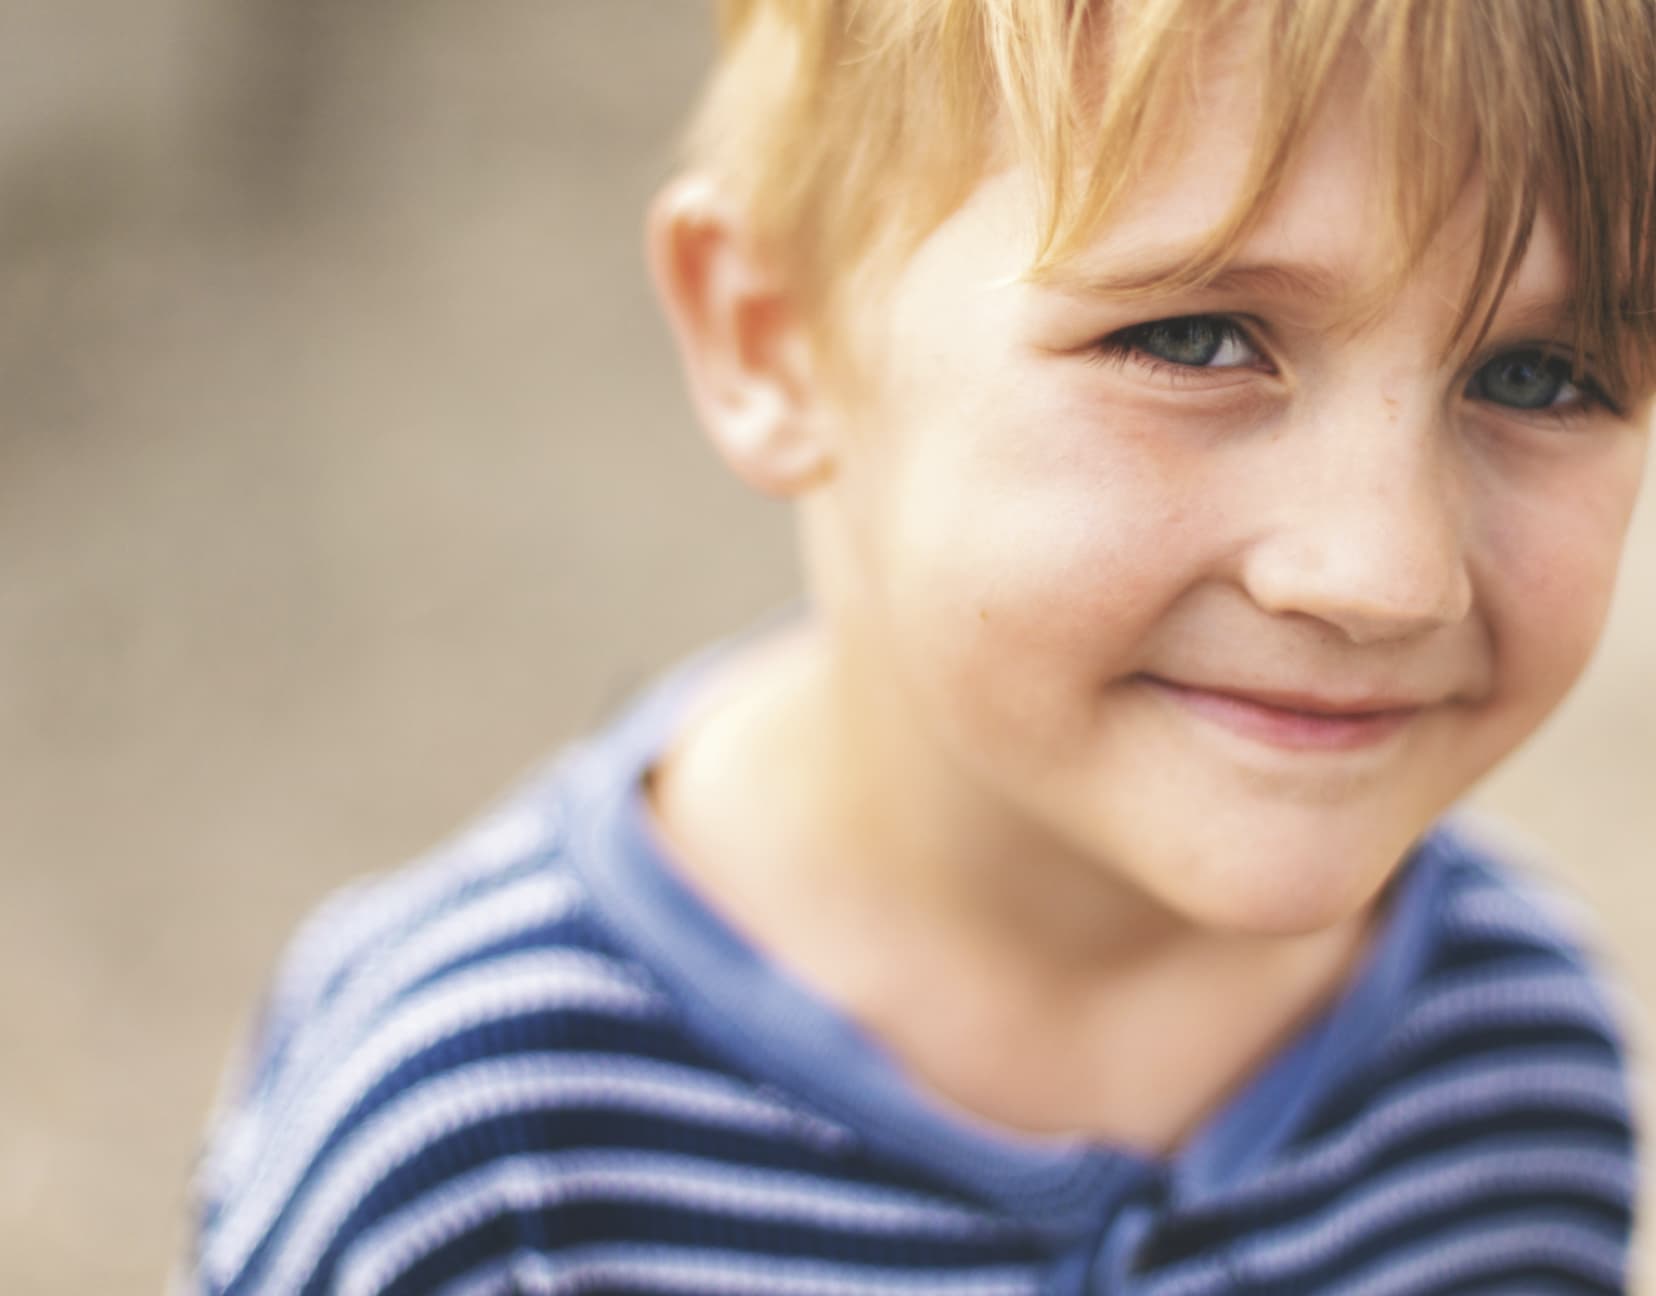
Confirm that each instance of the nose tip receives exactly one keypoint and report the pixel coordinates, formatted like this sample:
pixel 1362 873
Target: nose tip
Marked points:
pixel 1368 598
pixel 1376 564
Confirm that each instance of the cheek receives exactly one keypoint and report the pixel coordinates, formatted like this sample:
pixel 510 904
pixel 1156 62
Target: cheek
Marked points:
pixel 1550 560
pixel 1027 569
pixel 1029 493
pixel 1051 552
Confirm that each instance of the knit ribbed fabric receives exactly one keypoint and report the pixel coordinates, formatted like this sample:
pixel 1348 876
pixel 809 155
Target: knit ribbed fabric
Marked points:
pixel 537 1063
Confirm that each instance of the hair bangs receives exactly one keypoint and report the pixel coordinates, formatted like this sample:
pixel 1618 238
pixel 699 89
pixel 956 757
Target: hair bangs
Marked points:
pixel 848 129
pixel 1554 103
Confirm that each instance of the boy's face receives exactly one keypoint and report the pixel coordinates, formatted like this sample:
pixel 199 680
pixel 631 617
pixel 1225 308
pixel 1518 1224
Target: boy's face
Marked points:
pixel 1230 608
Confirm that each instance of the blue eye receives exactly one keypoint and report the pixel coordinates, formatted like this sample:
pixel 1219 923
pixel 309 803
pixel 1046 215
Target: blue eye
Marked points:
pixel 1189 341
pixel 1525 380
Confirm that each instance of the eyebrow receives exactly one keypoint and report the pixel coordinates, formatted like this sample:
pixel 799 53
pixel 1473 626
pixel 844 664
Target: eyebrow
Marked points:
pixel 1538 313
pixel 1302 279
pixel 1145 274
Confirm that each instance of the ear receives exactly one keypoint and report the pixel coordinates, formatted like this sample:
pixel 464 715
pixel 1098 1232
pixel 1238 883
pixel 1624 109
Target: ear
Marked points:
pixel 743 345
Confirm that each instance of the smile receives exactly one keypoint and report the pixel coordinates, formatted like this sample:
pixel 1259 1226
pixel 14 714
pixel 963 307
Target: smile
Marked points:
pixel 1294 722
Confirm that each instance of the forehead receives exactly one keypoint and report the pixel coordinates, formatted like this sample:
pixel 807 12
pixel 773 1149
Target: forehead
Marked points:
pixel 1326 230
pixel 1381 141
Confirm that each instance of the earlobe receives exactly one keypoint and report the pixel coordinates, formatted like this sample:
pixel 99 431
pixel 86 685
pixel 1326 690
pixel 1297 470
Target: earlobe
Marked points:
pixel 744 348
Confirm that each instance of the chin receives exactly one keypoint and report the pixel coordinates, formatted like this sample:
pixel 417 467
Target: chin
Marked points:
pixel 1283 894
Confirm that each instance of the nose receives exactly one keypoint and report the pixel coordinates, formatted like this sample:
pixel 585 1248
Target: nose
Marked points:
pixel 1363 531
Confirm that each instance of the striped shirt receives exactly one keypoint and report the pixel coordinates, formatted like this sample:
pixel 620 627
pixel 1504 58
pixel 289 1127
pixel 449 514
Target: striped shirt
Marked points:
pixel 537 1063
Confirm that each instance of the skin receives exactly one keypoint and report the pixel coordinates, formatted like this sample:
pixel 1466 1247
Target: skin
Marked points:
pixel 1132 681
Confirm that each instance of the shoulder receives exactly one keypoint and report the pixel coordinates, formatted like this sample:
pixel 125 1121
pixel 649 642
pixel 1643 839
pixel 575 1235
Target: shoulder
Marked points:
pixel 414 1019
pixel 1510 967
pixel 1487 1133
pixel 1477 1132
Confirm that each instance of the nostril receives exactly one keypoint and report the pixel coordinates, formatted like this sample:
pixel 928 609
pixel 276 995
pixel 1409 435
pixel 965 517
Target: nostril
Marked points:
pixel 1369 585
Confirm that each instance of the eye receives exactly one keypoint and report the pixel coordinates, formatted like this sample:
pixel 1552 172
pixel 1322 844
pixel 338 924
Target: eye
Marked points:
pixel 1186 342
pixel 1527 380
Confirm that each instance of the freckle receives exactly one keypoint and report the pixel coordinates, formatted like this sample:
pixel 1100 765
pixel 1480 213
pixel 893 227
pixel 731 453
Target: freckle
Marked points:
pixel 983 614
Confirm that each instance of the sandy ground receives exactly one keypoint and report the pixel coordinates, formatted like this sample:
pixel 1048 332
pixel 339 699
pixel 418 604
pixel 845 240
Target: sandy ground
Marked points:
pixel 343 472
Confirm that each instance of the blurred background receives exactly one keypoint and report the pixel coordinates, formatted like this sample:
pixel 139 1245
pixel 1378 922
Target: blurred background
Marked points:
pixel 343 473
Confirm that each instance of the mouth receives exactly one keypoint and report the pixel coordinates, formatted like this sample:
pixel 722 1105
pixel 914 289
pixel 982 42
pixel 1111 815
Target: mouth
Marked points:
pixel 1293 721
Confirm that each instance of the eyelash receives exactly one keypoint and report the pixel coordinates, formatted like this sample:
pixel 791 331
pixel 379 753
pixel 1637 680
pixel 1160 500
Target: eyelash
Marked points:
pixel 1122 348
pixel 1591 395
pixel 1125 347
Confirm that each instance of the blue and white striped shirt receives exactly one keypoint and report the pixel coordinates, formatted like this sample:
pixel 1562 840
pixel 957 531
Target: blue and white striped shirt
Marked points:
pixel 537 1063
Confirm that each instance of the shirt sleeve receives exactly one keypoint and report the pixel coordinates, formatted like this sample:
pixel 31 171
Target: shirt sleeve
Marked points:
pixel 253 1174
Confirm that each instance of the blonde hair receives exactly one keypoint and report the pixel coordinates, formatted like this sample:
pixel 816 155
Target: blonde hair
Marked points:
pixel 848 129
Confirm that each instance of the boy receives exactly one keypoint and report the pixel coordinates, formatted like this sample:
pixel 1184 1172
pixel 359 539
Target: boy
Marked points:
pixel 1213 428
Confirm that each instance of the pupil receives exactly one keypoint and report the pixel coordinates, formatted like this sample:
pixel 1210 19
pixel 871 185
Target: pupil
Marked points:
pixel 1193 341
pixel 1525 381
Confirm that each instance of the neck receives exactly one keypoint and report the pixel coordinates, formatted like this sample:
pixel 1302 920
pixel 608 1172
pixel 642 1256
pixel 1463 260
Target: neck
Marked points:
pixel 853 803
pixel 782 804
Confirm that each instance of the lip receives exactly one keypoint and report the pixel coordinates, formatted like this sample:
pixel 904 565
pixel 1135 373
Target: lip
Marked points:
pixel 1293 721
